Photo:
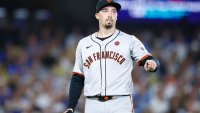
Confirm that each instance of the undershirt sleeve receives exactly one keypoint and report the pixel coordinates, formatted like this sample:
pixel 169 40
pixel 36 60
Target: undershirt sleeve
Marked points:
pixel 76 87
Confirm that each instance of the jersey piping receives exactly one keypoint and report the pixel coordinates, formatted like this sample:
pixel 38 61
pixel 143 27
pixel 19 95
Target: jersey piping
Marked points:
pixel 105 60
pixel 100 59
pixel 78 74
pixel 142 59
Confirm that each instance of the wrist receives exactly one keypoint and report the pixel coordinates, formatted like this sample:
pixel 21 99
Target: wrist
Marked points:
pixel 69 110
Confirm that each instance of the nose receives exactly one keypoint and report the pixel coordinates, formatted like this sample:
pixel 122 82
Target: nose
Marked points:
pixel 110 14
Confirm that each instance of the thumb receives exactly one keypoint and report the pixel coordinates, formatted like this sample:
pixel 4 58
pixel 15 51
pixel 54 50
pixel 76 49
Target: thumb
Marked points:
pixel 146 65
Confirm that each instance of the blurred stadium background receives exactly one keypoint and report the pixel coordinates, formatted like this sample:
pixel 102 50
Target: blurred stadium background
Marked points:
pixel 38 40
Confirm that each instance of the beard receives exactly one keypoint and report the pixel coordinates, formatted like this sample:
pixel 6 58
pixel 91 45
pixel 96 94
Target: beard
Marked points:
pixel 108 24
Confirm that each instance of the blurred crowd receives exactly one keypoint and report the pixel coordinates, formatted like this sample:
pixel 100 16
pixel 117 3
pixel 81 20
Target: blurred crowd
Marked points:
pixel 176 87
pixel 36 67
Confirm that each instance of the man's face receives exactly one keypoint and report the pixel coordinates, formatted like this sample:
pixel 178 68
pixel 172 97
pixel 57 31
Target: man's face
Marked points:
pixel 107 17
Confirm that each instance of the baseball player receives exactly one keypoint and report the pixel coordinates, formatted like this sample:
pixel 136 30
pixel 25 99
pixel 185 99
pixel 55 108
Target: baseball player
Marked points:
pixel 103 65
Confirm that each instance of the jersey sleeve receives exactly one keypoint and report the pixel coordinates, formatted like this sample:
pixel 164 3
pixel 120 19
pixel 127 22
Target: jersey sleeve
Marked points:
pixel 78 66
pixel 138 50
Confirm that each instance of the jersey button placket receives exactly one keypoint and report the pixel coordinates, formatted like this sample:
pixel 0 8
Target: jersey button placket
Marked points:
pixel 103 69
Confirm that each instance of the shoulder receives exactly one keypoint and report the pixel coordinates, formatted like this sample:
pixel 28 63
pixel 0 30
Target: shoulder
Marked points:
pixel 128 36
pixel 124 34
pixel 86 39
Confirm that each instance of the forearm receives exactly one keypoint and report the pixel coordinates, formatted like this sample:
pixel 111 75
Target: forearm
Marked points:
pixel 76 86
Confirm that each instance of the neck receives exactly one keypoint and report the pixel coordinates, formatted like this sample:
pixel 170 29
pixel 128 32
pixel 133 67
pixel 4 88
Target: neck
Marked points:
pixel 106 32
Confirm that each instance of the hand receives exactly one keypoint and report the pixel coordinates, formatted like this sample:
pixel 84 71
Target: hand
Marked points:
pixel 150 65
pixel 69 110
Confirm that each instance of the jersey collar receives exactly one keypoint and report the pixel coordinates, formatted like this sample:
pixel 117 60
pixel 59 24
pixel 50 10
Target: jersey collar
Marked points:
pixel 116 33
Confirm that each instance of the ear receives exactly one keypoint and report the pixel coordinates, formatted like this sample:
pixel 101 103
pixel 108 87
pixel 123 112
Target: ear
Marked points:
pixel 97 16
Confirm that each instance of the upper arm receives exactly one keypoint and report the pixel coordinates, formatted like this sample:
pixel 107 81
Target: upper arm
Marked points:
pixel 78 66
pixel 139 52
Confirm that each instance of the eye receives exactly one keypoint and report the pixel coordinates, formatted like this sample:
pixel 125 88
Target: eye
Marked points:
pixel 114 11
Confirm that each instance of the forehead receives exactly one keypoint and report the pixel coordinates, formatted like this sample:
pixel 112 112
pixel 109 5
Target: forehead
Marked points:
pixel 109 7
